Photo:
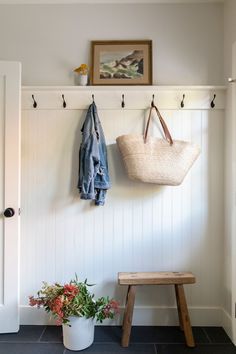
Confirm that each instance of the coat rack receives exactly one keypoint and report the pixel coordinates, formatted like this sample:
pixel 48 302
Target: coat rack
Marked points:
pixel 126 98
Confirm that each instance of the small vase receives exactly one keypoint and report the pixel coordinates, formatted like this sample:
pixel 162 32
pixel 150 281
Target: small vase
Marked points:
pixel 82 80
pixel 80 335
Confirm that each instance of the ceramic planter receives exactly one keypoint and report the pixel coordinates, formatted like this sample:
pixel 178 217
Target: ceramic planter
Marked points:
pixel 82 80
pixel 80 335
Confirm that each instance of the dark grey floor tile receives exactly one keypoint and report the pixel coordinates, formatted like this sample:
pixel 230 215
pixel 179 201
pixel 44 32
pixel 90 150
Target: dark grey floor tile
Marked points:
pixel 31 348
pixel 102 334
pixel 109 348
pixel 161 334
pixel 107 334
pixel 52 334
pixel 199 349
pixel 199 335
pixel 25 334
pixel 216 335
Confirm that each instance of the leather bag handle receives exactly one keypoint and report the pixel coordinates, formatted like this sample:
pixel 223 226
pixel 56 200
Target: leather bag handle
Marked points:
pixel 163 124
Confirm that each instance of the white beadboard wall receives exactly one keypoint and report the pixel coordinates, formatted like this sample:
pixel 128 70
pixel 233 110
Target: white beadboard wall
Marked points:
pixel 141 227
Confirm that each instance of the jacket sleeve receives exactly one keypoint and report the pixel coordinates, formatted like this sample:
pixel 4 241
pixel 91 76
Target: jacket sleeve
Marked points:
pixel 89 166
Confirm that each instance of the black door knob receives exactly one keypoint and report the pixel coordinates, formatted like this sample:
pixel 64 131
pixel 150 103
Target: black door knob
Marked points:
pixel 9 212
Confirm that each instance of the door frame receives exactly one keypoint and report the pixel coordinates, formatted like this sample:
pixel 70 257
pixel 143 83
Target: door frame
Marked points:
pixel 9 309
pixel 233 187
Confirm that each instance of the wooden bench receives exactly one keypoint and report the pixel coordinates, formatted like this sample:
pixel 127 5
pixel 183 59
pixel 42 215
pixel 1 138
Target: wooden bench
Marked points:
pixel 157 278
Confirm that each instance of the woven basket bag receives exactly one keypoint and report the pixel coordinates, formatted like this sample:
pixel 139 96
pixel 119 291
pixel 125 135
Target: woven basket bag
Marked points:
pixel 154 160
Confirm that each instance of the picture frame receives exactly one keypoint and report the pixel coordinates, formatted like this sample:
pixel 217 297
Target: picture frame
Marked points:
pixel 121 62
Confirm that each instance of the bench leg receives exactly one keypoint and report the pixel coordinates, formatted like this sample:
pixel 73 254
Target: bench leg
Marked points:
pixel 128 315
pixel 183 315
pixel 178 308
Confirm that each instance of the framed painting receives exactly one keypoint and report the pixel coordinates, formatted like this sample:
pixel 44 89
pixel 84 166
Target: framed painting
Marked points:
pixel 121 62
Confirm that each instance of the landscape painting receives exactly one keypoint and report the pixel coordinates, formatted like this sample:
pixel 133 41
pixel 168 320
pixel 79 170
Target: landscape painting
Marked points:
pixel 121 63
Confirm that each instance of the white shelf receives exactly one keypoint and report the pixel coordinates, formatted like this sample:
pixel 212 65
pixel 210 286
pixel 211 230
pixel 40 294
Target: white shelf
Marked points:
pixel 122 88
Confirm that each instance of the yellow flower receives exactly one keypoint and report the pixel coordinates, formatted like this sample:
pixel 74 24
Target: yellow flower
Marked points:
pixel 82 69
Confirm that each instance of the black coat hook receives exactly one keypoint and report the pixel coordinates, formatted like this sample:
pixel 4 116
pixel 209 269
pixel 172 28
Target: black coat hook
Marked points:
pixel 123 101
pixel 212 102
pixel 93 98
pixel 64 102
pixel 182 102
pixel 152 103
pixel 35 103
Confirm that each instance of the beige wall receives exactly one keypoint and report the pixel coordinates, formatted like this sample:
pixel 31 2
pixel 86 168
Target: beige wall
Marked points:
pixel 51 40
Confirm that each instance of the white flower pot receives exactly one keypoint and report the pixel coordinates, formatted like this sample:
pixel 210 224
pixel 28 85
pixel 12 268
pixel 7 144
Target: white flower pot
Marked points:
pixel 82 80
pixel 80 335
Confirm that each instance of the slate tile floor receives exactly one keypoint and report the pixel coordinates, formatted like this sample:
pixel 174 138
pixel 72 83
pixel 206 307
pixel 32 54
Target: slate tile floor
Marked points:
pixel 144 340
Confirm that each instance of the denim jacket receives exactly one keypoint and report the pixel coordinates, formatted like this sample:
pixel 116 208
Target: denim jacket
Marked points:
pixel 93 167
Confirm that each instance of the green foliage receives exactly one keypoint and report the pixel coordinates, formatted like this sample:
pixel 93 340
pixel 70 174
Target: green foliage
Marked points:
pixel 73 299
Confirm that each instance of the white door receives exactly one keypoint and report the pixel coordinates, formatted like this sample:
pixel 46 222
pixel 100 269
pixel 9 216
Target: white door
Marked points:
pixel 10 90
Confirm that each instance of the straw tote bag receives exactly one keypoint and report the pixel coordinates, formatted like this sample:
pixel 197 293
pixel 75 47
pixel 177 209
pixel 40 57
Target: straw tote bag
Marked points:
pixel 154 160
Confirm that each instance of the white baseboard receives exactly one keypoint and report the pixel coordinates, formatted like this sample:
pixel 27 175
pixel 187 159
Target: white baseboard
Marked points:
pixel 168 316
pixel 145 316
pixel 227 323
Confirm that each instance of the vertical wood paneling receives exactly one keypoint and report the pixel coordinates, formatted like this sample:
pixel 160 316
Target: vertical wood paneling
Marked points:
pixel 141 227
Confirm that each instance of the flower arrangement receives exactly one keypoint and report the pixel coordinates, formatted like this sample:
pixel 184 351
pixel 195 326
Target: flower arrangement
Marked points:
pixel 73 299
pixel 82 69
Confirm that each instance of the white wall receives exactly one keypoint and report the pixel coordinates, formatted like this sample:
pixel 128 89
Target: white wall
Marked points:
pixel 229 234
pixel 229 35
pixel 51 40
pixel 142 227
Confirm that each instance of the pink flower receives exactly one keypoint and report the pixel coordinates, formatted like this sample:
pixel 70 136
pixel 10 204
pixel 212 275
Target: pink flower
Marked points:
pixel 32 301
pixel 110 308
pixel 59 322
pixel 56 306
pixel 70 291
pixel 115 305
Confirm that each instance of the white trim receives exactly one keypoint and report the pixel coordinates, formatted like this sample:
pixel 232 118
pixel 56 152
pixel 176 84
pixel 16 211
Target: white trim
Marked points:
pixel 68 2
pixel 10 255
pixel 124 88
pixel 145 316
pixel 227 323
pixel 233 191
